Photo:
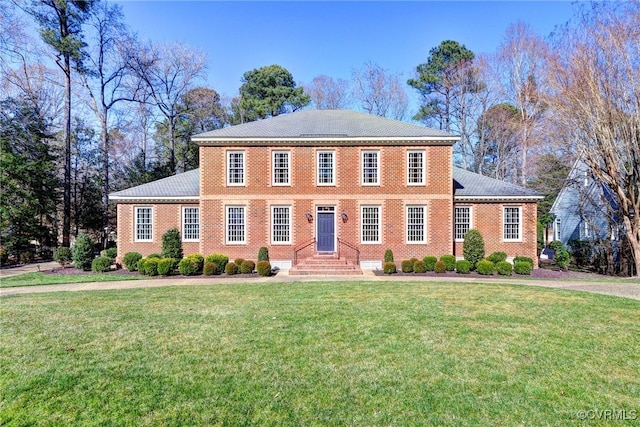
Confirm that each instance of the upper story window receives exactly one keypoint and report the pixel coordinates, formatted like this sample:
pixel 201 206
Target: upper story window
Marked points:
pixel 144 224
pixel 462 221
pixel 416 224
pixel 415 167
pixel 281 167
pixel 236 224
pixel 512 223
pixel 326 167
pixel 370 224
pixel 190 224
pixel 235 167
pixel 370 168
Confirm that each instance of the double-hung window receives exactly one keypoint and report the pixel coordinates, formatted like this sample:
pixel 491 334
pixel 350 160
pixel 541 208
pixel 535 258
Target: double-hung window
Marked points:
pixel 415 167
pixel 236 225
pixel 235 167
pixel 462 221
pixel 281 225
pixel 326 167
pixel 281 167
pixel 190 224
pixel 370 168
pixel 370 224
pixel 144 224
pixel 512 223
pixel 416 224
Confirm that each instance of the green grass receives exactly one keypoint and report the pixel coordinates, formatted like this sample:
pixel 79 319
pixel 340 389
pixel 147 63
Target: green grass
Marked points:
pixel 317 354
pixel 37 279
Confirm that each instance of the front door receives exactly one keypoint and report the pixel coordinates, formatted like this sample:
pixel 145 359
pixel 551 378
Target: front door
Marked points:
pixel 326 232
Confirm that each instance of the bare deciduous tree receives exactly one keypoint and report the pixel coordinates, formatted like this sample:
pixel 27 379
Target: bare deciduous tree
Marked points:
pixel 327 93
pixel 379 92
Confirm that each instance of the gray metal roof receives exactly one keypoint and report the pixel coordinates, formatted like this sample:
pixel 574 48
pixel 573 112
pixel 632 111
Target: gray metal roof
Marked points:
pixel 325 124
pixel 182 186
pixel 470 185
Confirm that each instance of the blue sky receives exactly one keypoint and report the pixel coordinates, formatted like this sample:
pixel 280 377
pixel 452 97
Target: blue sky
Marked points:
pixel 332 38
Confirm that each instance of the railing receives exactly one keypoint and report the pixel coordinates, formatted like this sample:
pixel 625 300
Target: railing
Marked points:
pixel 351 246
pixel 301 247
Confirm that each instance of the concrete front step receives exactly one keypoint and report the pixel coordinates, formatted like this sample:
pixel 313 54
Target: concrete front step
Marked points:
pixel 325 264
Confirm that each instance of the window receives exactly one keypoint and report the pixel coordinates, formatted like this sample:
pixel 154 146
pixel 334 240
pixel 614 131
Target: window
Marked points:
pixel 281 224
pixel 370 168
pixel 511 223
pixel 416 224
pixel 144 224
pixel 370 224
pixel 415 167
pixel 280 162
pixel 235 167
pixel 190 224
pixel 325 168
pixel 462 221
pixel 556 229
pixel 236 224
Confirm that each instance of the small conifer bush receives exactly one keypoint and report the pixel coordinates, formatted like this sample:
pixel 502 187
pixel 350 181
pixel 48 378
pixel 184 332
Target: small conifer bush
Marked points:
pixel 497 257
pixel 82 252
pixel 504 268
pixel 131 259
pixel 388 255
pixel 151 266
pixel 166 266
pixel 172 244
pixel 522 267
pixel 419 267
pixel 62 256
pixel 485 267
pixel 264 268
pixel 247 267
pixel 463 266
pixel 220 261
pixel 449 262
pixel 407 266
pixel 440 267
pixel 231 268
pixel 473 247
pixel 523 259
pixel 430 262
pixel 110 253
pixel 101 264
pixel 389 267
pixel 209 268
pixel 263 254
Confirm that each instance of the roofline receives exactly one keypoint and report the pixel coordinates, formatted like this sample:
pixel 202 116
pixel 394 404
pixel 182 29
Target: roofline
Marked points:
pixel 342 140
pixel 496 198
pixel 160 199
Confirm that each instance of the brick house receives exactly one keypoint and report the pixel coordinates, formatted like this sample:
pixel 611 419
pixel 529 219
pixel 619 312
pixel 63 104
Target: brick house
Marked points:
pixel 320 182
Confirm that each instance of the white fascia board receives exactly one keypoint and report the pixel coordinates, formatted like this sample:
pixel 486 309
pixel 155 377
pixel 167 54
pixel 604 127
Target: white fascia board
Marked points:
pixel 154 199
pixel 496 198
pixel 336 140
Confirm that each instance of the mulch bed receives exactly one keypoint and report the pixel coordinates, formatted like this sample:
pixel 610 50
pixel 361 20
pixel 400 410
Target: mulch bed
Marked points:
pixel 64 271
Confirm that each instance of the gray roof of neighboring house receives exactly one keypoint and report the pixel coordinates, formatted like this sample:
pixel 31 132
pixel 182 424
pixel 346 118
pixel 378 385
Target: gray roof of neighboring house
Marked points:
pixel 325 124
pixel 186 186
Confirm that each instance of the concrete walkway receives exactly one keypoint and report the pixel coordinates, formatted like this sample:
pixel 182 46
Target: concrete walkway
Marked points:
pixel 628 288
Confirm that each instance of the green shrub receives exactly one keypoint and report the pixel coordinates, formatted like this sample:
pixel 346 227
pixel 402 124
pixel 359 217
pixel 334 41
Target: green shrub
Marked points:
pixel 82 252
pixel 504 268
pixel 407 266
pixel 131 259
pixel 220 262
pixel 140 265
pixel 522 267
pixel 166 266
pixel 238 262
pixel 388 255
pixel 151 266
pixel 463 266
pixel 209 268
pixel 26 257
pixel 449 262
pixel 430 262
pixel 562 258
pixel 473 247
pixel 198 261
pixel 101 264
pixel 523 259
pixel 62 256
pixel 263 254
pixel 264 268
pixel 231 268
pixel 247 267
pixel 4 256
pixel 497 257
pixel 110 253
pixel 485 267
pixel 172 244
pixel 188 267
pixel 440 267
pixel 419 267
pixel 156 256
pixel 389 267
pixel 556 245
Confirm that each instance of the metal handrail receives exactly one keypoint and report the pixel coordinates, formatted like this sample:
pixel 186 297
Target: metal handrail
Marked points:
pixel 350 245
pixel 301 247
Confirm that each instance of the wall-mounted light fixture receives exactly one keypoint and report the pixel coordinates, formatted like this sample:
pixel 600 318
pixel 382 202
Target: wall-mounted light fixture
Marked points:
pixel 344 216
pixel 309 217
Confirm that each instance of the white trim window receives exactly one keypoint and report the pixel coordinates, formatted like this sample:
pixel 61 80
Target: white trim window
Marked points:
pixel 326 167
pixel 144 224
pixel 512 223
pixel 281 225
pixel 281 167
pixel 415 167
pixel 190 224
pixel 556 228
pixel 370 228
pixel 416 224
pixel 236 225
pixel 235 167
pixel 370 167
pixel 462 222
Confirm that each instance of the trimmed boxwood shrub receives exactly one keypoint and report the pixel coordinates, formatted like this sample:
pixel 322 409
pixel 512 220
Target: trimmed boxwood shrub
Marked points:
pixel 131 259
pixel 62 256
pixel 149 266
pixel 523 259
pixel 191 265
pixel 231 268
pixel 485 267
pixel 209 268
pixel 562 258
pixel 198 261
pixel 172 244
pixel 473 247
pixel 101 264
pixel 463 266
pixel 388 255
pixel 430 262
pixel 247 267
pixel 449 262
pixel 220 262
pixel 263 254
pixel 156 256
pixel 419 267
pixel 389 267
pixel 110 253
pixel 522 267
pixel 407 266
pixel 238 261
pixel 440 267
pixel 264 268
pixel 504 268
pixel 166 266
pixel 82 252
pixel 497 257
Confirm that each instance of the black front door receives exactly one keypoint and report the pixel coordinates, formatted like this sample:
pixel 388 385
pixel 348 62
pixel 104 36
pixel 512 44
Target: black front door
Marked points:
pixel 326 232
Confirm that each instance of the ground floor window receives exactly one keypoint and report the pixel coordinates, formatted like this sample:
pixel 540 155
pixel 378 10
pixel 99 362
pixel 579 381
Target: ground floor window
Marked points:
pixel 416 224
pixel 235 224
pixel 144 224
pixel 370 224
pixel 190 224
pixel 281 224
pixel 462 221
pixel 512 223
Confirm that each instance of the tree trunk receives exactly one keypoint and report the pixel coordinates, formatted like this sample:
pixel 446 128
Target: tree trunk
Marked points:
pixel 66 214
pixel 105 178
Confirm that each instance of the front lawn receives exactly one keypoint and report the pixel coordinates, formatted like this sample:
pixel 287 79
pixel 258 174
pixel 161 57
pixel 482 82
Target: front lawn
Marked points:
pixel 339 353
pixel 39 278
